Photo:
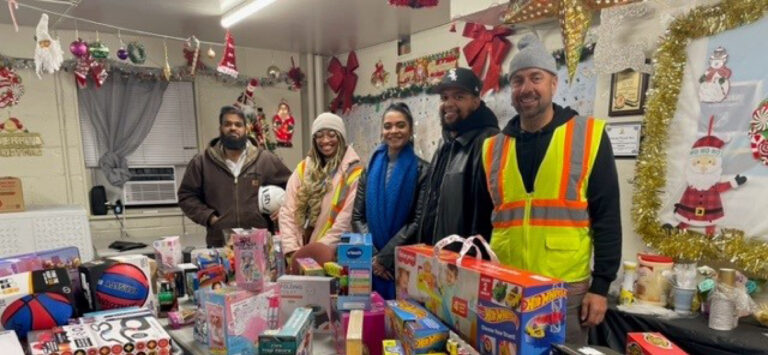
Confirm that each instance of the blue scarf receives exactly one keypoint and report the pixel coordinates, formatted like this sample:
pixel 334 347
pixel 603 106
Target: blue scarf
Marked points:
pixel 387 205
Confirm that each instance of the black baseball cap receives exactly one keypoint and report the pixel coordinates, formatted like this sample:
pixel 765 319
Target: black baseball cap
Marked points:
pixel 460 78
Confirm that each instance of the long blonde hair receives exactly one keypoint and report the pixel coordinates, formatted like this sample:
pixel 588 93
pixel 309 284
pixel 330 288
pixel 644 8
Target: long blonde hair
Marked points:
pixel 318 179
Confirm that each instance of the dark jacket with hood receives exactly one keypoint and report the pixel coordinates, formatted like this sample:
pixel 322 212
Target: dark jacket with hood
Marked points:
pixel 209 188
pixel 602 192
pixel 407 234
pixel 457 200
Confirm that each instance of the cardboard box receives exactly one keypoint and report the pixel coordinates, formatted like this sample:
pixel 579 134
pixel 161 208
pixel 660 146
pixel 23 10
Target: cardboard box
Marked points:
pixel 568 349
pixel 125 336
pixel 295 337
pixel 236 318
pixel 355 253
pixel 354 335
pixel 392 347
pixel 419 331
pixel 102 281
pixel 250 258
pixel 53 284
pixel 313 292
pixel 373 322
pixel 11 195
pixel 9 342
pixel 497 309
pixel 168 252
pixel 651 344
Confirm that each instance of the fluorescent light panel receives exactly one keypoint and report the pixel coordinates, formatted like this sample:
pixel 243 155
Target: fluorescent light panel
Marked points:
pixel 239 13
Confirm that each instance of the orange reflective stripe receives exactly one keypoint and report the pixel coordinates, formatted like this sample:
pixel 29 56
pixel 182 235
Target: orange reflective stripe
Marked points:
pixel 566 158
pixel 558 223
pixel 502 165
pixel 559 203
pixel 489 158
pixel 585 159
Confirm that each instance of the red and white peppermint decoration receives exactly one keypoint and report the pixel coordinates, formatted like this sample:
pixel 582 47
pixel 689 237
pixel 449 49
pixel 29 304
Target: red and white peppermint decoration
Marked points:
pixel 758 129
pixel 11 88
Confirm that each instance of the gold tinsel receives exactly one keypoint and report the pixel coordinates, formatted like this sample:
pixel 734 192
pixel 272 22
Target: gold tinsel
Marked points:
pixel 575 19
pixel 650 171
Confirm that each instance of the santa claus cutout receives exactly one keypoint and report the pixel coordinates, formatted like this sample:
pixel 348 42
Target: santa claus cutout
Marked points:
pixel 715 83
pixel 283 123
pixel 701 205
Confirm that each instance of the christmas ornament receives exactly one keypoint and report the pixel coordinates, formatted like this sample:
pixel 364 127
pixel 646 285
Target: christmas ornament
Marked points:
pixel 296 76
pixel 379 76
pixel 343 81
pixel 614 52
pixel 122 54
pixel 732 245
pixel 78 48
pixel 98 50
pixel 413 3
pixel 245 101
pixel 192 54
pixel 13 5
pixel 48 53
pixel 283 123
pixel 274 72
pixel 137 53
pixel 487 44
pixel 211 54
pixel 11 88
pixel 167 67
pixel 16 140
pixel 758 130
pixel 227 64
pixel 715 82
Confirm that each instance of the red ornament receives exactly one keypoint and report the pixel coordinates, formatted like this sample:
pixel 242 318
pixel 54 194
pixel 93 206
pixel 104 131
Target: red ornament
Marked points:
pixel 282 124
pixel 296 76
pixel 11 88
pixel 486 44
pixel 343 81
pixel 227 65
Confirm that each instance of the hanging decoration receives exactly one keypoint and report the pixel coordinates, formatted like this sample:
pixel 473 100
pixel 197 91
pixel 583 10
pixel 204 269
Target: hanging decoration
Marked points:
pixel 274 72
pixel 296 76
pixel 167 66
pixel 192 54
pixel 78 48
pixel 13 5
pixel 121 53
pixel 379 77
pixel 97 49
pixel 227 65
pixel 16 140
pixel 758 132
pixel 413 3
pixel 11 88
pixel 211 53
pixel 137 53
pixel 343 81
pixel 732 245
pixel 487 46
pixel 574 16
pixel 614 52
pixel 426 70
pixel 48 53
pixel 282 124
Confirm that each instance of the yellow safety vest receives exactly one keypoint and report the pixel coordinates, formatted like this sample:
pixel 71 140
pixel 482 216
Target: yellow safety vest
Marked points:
pixel 339 194
pixel 546 231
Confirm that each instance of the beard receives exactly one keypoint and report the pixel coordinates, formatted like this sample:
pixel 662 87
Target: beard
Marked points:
pixel 233 143
pixel 453 126
pixel 48 60
pixel 703 181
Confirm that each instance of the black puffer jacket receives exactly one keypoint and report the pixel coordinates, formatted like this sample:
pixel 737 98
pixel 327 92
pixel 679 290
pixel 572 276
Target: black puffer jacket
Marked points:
pixel 458 201
pixel 407 234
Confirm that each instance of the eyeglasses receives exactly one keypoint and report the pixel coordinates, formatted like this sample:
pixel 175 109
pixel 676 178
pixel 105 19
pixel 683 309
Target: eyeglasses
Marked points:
pixel 325 133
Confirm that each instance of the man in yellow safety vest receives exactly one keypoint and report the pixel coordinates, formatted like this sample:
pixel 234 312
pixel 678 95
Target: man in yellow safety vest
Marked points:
pixel 552 178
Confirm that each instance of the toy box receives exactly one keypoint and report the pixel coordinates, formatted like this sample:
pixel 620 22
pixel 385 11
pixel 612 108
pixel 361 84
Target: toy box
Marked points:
pixel 36 300
pixel 168 252
pixel 479 299
pixel 392 347
pixel 295 337
pixel 125 336
pixel 22 263
pixel 355 253
pixel 373 322
pixel 205 258
pixel 251 258
pixel 236 318
pixel 9 342
pixel 419 331
pixel 275 258
pixel 117 282
pixel 354 335
pixel 651 344
pixel 186 286
pixel 309 267
pixel 313 292
pixel 11 195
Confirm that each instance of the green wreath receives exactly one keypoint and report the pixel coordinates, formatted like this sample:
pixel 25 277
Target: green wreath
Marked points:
pixel 137 53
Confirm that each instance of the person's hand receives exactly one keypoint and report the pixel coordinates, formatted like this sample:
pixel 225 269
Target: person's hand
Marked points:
pixel 381 271
pixel 213 219
pixel 274 216
pixel 593 308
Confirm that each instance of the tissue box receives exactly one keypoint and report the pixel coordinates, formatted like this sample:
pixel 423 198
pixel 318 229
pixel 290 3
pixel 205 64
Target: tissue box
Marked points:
pixel 43 295
pixel 168 252
pixel 373 322
pixel 236 318
pixel 11 195
pixel 295 337
pixel 651 344
pixel 118 282
pixel 310 267
pixel 354 254
pixel 250 259
pixel 313 292
pixel 419 331
pixel 498 309
pixel 9 342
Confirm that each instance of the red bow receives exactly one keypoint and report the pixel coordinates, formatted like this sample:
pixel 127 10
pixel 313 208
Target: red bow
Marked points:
pixel 343 81
pixel 487 43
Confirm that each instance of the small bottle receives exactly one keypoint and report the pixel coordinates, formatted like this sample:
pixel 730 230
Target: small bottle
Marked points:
pixel 627 293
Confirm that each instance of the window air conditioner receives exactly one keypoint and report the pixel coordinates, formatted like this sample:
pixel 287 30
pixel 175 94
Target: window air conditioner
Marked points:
pixel 150 186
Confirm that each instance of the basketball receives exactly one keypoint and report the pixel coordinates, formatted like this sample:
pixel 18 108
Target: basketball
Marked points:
pixel 122 285
pixel 37 311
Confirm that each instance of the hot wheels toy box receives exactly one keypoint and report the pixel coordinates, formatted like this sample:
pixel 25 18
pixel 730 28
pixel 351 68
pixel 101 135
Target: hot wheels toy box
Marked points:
pixel 237 317
pixel 497 309
pixel 651 344
pixel 420 331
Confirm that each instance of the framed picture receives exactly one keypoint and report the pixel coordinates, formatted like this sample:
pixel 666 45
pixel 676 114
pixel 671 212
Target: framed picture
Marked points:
pixel 625 138
pixel 628 93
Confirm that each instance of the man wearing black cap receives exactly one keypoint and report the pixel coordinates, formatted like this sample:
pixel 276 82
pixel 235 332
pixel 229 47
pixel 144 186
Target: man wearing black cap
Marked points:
pixel 458 201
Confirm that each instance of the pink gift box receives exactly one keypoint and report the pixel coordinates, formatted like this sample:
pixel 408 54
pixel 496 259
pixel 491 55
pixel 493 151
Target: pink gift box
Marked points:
pixel 374 329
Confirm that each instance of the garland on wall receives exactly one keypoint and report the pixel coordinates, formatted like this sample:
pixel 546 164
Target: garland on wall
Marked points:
pixel 650 171
pixel 413 90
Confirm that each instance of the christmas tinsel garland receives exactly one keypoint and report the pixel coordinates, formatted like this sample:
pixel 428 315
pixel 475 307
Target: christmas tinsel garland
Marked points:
pixel 651 167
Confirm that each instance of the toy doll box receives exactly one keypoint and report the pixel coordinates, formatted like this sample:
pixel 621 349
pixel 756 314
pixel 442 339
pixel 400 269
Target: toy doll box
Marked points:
pixel 419 331
pixel 294 338
pixel 651 344
pixel 497 309
pixel 236 318
pixel 251 258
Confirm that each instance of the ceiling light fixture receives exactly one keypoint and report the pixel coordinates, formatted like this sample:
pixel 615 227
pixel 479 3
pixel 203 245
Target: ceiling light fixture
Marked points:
pixel 238 13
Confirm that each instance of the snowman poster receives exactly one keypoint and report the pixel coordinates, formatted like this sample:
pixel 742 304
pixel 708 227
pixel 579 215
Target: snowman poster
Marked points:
pixel 717 147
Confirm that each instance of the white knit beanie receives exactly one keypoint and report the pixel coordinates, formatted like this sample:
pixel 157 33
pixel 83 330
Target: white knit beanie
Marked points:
pixel 327 120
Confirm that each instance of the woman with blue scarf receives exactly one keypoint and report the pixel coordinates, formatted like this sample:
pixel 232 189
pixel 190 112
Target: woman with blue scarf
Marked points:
pixel 389 194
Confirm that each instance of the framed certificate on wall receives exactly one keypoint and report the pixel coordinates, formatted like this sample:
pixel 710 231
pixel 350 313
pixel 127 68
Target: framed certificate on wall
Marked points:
pixel 628 93
pixel 625 138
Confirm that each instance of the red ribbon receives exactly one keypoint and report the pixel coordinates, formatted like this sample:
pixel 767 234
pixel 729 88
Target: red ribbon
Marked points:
pixel 343 81
pixel 487 43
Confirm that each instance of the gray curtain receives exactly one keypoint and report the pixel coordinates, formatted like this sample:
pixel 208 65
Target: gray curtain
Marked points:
pixel 122 112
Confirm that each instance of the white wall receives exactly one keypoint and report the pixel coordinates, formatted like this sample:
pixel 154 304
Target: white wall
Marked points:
pixel 49 106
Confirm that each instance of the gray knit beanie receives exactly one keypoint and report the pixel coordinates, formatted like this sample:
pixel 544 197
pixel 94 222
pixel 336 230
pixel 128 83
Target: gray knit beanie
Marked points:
pixel 532 54
pixel 327 120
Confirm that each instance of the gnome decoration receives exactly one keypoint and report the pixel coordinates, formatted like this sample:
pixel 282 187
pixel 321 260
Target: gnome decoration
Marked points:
pixel 48 53
pixel 227 65
pixel 715 83
pixel 701 205
pixel 283 123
